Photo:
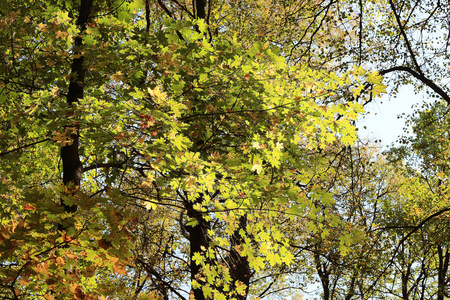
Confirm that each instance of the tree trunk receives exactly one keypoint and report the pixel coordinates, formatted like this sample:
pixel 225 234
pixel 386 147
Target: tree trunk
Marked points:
pixel 351 289
pixel 442 272
pixel 200 7
pixel 198 236
pixel 324 275
pixel 199 241
pixel 239 266
pixel 405 279
pixel 72 168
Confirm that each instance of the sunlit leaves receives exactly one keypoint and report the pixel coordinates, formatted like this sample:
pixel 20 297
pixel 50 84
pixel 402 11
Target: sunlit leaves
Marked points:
pixel 175 129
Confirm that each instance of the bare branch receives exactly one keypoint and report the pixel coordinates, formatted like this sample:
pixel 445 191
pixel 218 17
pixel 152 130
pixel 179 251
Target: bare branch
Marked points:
pixel 403 33
pixel 422 78
pixel 404 239
pixel 103 165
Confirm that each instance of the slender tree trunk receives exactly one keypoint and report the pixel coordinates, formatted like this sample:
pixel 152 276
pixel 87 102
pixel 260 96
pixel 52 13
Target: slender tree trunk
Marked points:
pixel 442 272
pixel 324 275
pixel 72 168
pixel 405 279
pixel 351 290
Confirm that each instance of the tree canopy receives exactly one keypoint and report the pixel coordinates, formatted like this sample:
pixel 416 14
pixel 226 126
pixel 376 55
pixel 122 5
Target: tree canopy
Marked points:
pixel 176 149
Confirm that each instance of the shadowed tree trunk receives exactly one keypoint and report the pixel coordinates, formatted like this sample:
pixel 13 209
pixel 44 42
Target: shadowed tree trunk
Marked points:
pixel 239 266
pixel 442 271
pixel 199 242
pixel 323 269
pixel 71 164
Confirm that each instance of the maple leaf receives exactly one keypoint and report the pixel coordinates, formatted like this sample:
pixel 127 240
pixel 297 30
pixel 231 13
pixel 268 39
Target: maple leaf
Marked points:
pixel 118 76
pixel 119 269
pixel 257 168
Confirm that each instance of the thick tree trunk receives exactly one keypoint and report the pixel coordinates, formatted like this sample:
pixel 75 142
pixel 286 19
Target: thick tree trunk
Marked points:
pixel 198 236
pixel 199 241
pixel 72 168
pixel 200 6
pixel 239 266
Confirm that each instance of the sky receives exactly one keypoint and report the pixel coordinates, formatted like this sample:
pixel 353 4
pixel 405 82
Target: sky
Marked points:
pixel 381 119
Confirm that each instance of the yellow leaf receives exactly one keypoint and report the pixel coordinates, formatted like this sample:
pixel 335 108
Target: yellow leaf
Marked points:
pixel 41 26
pixel 240 288
pixel 150 205
pixel 157 93
pixel 118 76
pixel 257 167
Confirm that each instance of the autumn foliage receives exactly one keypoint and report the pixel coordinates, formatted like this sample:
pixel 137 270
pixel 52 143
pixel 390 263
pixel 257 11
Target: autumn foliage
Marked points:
pixel 185 150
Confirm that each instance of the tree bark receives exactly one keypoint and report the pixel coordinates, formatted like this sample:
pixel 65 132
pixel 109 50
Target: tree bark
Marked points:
pixel 239 266
pixel 405 280
pixel 425 80
pixel 200 7
pixel 199 241
pixel 72 168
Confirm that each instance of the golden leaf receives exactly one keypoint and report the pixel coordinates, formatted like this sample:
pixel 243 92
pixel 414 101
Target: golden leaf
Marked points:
pixel 118 76
pixel 119 269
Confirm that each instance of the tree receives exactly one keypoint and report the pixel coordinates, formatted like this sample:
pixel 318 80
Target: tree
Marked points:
pixel 156 119
pixel 425 199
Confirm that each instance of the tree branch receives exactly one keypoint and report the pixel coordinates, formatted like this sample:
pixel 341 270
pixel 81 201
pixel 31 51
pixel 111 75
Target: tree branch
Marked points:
pixel 24 146
pixel 167 11
pixel 150 270
pixel 403 33
pixel 103 165
pixel 415 228
pixel 421 77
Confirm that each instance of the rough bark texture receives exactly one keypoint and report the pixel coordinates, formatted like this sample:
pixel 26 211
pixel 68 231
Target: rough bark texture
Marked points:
pixel 72 168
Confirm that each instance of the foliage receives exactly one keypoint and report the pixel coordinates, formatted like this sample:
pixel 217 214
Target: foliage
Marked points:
pixel 207 137
pixel 207 150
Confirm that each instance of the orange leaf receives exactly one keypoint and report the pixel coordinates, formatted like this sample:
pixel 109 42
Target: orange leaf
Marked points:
pixel 120 269
pixel 28 207
pixel 49 297
pixel 60 261
pixel 42 268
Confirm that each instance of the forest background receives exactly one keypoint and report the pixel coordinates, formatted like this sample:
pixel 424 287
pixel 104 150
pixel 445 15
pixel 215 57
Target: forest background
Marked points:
pixel 171 149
